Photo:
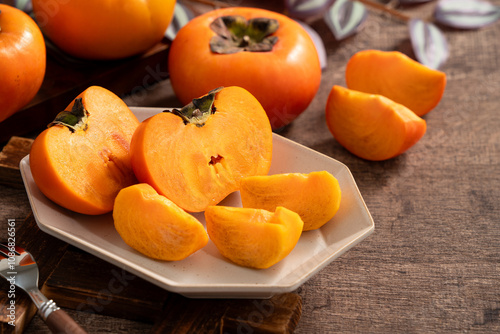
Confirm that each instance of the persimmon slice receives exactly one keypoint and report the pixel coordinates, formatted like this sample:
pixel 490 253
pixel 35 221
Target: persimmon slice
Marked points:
pixel 253 238
pixel 396 76
pixel 156 227
pixel 83 159
pixel 314 196
pixel 197 156
pixel 371 126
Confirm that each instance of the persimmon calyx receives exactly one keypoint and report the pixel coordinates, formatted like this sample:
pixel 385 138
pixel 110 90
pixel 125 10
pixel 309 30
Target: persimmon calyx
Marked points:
pixel 74 119
pixel 199 110
pixel 234 34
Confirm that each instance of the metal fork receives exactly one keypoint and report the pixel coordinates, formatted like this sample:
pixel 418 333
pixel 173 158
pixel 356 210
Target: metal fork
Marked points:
pixel 19 268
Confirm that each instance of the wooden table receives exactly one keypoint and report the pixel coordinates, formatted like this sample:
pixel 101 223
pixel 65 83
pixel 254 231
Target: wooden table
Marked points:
pixel 433 262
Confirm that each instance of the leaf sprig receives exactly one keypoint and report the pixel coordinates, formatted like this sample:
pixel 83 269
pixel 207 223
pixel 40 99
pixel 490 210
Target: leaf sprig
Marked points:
pixel 345 18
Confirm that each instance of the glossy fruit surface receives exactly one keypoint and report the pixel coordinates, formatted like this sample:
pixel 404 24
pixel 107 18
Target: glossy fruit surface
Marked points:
pixel 197 156
pixel 314 196
pixel 251 237
pixel 22 60
pixel 155 226
pixel 104 29
pixel 371 126
pixel 278 64
pixel 83 159
pixel 396 76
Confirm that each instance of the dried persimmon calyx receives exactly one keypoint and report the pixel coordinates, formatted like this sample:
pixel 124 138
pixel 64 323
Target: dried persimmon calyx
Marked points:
pixel 234 34
pixel 198 111
pixel 74 119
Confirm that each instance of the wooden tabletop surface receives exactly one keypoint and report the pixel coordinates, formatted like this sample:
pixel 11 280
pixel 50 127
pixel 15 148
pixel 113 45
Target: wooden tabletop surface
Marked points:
pixel 433 262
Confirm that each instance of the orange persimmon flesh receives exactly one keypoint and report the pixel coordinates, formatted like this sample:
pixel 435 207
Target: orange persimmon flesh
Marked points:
pixel 371 126
pixel 396 76
pixel 314 196
pixel 197 165
pixel 253 238
pixel 83 168
pixel 156 227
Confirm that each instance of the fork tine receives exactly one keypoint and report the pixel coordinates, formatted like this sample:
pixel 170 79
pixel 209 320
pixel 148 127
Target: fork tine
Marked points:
pixel 16 249
pixel 19 255
pixel 3 254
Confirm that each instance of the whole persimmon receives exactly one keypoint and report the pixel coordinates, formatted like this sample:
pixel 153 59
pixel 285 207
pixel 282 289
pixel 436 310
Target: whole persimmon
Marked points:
pixel 22 60
pixel 82 160
pixel 198 155
pixel 104 29
pixel 265 52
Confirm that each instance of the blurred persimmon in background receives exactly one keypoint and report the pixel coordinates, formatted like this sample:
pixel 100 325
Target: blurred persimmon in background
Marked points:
pixel 104 29
pixel 22 60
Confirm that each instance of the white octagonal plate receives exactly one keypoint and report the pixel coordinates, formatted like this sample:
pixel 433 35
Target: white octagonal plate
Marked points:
pixel 206 274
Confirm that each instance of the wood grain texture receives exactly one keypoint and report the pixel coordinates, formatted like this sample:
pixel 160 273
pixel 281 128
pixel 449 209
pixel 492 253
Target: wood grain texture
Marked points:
pixel 277 315
pixel 10 157
pixel 433 263
pixel 85 283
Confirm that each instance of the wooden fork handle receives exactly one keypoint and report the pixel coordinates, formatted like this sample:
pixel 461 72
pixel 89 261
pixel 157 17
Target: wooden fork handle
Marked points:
pixel 61 323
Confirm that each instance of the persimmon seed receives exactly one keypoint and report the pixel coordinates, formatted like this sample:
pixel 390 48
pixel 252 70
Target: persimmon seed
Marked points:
pixel 214 160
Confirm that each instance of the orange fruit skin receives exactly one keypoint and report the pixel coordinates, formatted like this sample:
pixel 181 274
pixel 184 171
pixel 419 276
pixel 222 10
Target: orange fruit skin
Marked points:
pixel 156 227
pixel 398 77
pixel 371 126
pixel 253 238
pixel 176 159
pixel 22 60
pixel 84 170
pixel 104 29
pixel 284 80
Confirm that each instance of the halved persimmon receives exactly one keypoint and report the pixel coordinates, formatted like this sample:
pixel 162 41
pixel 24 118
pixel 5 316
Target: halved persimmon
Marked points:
pixel 197 156
pixel 253 238
pixel 371 126
pixel 82 159
pixel 396 76
pixel 156 227
pixel 314 196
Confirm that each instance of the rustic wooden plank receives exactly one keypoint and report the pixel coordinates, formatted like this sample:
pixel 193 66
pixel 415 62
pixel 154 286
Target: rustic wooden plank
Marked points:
pixel 47 252
pixel 10 157
pixel 86 283
pixel 181 315
pixel 278 315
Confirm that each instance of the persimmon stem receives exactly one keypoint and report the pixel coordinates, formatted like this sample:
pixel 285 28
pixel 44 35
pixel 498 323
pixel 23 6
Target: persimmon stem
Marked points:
pixel 199 110
pixel 215 4
pixel 234 33
pixel 74 119
pixel 370 3
pixel 386 9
